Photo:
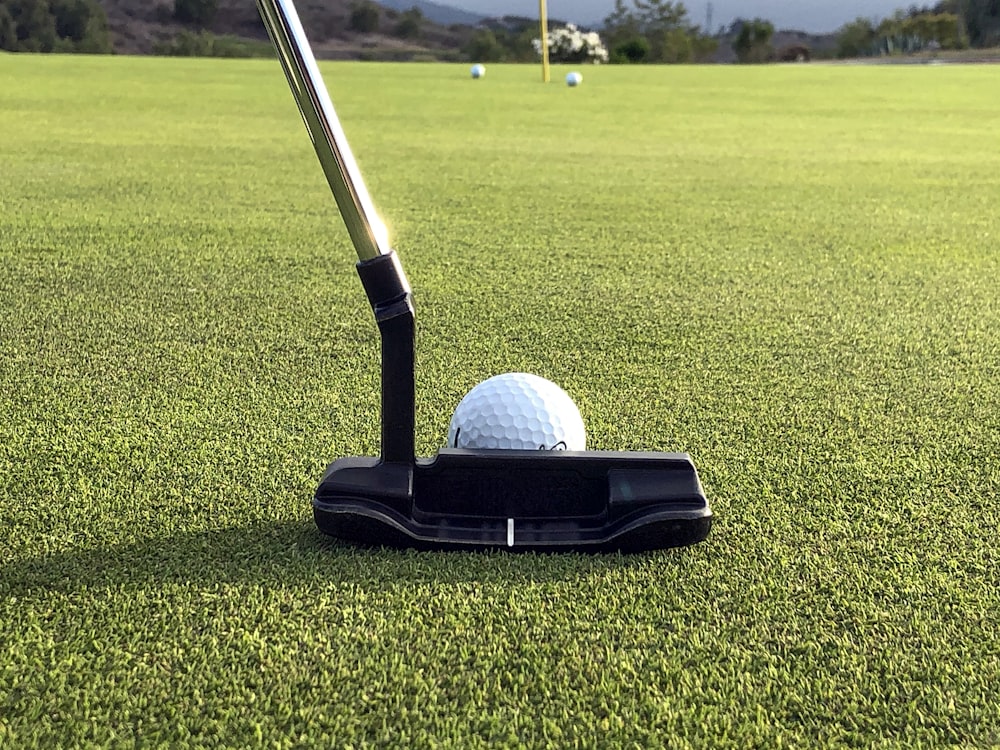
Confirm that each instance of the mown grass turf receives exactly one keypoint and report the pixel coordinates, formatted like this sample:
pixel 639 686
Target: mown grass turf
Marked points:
pixel 790 272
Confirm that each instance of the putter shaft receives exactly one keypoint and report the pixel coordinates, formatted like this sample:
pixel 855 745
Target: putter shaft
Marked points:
pixel 366 229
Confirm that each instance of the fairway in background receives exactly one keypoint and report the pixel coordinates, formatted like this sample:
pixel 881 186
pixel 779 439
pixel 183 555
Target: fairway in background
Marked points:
pixel 787 271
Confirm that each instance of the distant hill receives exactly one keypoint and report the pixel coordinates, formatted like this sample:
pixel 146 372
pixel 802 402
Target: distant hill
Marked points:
pixel 436 12
pixel 139 26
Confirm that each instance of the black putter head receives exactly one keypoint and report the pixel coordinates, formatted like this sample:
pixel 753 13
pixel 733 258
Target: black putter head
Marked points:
pixel 522 500
pixel 466 499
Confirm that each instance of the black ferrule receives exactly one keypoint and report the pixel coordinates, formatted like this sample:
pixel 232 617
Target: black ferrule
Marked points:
pixel 384 281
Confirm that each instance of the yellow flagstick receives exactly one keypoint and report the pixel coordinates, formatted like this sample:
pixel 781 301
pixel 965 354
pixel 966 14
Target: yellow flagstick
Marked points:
pixel 544 22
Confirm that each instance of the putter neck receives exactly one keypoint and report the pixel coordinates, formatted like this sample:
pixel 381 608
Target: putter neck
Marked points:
pixel 389 294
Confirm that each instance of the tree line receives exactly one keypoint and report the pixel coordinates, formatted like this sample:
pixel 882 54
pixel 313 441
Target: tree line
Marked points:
pixel 660 31
pixel 636 31
pixel 951 24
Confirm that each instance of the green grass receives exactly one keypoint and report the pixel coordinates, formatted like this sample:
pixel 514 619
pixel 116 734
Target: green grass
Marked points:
pixel 789 272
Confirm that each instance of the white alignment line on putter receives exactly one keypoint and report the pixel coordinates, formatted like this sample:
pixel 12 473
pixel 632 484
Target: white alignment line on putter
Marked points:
pixel 367 231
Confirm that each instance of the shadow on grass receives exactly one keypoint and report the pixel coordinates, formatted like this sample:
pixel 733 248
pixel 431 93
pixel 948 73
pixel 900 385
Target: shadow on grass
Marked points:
pixel 290 553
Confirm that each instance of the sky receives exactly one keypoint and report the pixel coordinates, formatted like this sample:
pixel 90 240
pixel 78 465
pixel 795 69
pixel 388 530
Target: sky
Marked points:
pixel 816 16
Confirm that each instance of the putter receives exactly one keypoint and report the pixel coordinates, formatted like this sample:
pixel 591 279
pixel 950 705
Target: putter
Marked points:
pixel 598 501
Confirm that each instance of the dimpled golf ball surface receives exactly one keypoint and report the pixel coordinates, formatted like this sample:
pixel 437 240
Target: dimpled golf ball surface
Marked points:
pixel 477 71
pixel 517 411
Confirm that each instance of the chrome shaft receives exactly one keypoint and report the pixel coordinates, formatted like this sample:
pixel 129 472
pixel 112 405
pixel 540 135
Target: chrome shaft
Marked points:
pixel 367 231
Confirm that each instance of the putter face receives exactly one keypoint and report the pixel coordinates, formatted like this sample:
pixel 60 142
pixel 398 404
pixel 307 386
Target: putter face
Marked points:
pixel 594 501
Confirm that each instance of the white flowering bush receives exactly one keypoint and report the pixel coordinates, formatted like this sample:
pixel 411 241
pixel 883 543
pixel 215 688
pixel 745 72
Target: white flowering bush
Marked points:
pixel 570 45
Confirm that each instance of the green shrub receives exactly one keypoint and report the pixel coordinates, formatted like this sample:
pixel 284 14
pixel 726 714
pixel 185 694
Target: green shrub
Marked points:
pixel 635 50
pixel 198 12
pixel 674 46
pixel 409 24
pixel 207 44
pixel 56 26
pixel 364 18
pixel 8 29
pixel 753 43
pixel 484 47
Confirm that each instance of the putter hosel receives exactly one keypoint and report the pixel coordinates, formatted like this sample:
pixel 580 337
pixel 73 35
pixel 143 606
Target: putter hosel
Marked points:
pixel 389 294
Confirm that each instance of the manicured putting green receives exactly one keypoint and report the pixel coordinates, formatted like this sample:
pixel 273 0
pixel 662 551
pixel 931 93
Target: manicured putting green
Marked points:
pixel 789 272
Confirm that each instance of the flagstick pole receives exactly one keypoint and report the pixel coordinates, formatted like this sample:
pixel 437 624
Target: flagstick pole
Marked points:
pixel 544 23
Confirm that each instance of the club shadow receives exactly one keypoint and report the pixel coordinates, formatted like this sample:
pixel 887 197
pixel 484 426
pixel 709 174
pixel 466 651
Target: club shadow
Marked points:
pixel 288 553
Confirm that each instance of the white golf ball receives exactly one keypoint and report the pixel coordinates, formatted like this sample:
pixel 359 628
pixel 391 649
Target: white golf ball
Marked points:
pixel 574 79
pixel 517 411
pixel 478 71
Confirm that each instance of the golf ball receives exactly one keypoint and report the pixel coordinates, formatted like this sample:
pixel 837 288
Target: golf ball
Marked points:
pixel 574 79
pixel 517 411
pixel 478 71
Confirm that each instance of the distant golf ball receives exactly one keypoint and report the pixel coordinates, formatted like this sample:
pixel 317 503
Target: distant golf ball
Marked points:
pixel 478 71
pixel 517 411
pixel 574 79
